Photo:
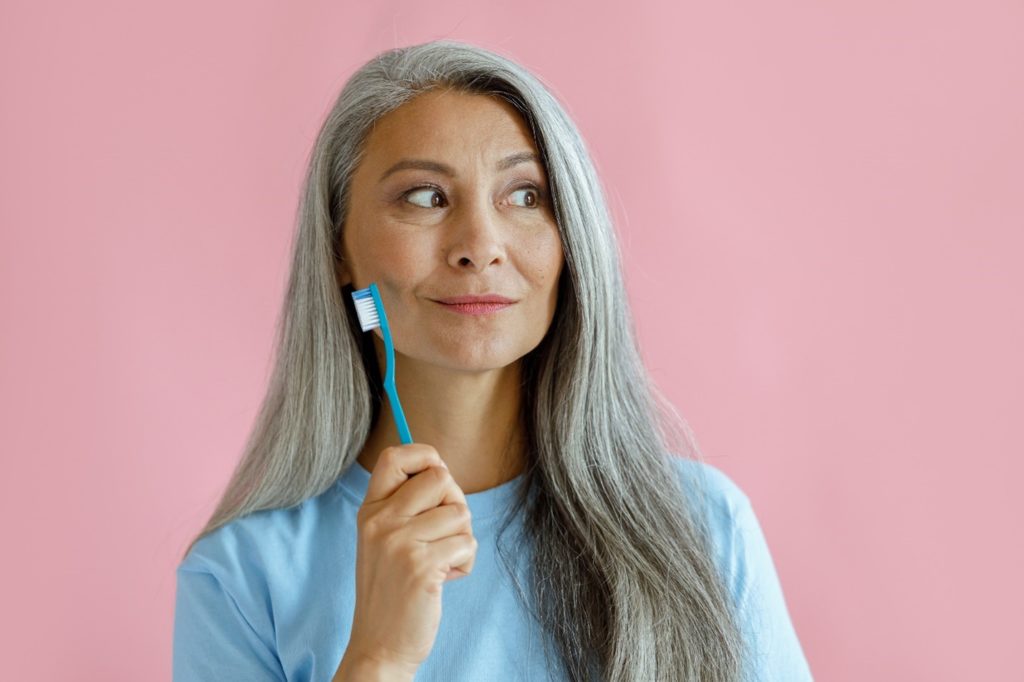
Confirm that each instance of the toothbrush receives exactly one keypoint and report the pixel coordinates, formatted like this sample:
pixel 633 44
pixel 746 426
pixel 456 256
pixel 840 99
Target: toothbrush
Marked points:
pixel 370 310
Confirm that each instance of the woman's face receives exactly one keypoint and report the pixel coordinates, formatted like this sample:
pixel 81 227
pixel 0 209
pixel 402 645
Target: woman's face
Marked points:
pixel 451 199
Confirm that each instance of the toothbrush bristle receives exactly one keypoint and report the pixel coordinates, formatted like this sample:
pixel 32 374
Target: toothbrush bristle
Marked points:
pixel 366 309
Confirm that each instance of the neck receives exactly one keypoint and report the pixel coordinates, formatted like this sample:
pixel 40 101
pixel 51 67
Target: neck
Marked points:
pixel 472 419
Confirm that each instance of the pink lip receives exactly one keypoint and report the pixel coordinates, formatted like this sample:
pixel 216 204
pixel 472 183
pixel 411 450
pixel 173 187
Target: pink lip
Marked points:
pixel 482 304
pixel 474 308
pixel 484 298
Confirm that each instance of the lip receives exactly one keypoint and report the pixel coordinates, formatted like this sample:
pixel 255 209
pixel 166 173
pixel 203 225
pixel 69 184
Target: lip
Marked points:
pixel 482 308
pixel 475 304
pixel 481 298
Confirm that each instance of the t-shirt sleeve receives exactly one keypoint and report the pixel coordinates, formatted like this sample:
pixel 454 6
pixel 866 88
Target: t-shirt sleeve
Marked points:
pixel 775 651
pixel 213 639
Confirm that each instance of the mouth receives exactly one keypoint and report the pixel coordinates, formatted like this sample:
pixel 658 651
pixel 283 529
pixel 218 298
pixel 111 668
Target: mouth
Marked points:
pixel 475 298
pixel 476 304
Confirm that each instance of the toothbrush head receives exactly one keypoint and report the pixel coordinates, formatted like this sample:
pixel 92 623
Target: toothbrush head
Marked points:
pixel 370 310
pixel 366 307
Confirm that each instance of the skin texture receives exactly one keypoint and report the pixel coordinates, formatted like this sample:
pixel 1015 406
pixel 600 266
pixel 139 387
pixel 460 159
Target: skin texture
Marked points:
pixel 479 231
pixel 482 231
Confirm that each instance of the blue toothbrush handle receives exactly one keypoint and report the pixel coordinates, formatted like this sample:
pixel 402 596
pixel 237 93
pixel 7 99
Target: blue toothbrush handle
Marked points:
pixel 389 371
pixel 396 410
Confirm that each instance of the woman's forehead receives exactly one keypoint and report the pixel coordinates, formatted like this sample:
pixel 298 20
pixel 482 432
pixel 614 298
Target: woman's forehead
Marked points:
pixel 454 125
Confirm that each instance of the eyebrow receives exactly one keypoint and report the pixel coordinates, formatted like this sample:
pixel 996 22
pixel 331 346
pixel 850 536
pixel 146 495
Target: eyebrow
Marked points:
pixel 425 164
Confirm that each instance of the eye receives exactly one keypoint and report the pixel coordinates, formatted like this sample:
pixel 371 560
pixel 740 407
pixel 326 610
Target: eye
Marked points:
pixel 533 202
pixel 428 191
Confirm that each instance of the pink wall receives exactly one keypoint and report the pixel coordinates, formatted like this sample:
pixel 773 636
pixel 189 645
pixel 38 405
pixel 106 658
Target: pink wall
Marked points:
pixel 821 216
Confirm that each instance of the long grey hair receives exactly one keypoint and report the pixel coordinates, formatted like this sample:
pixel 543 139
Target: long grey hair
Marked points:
pixel 623 575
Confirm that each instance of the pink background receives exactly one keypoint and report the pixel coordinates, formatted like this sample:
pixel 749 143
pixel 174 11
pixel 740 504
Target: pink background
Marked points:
pixel 821 212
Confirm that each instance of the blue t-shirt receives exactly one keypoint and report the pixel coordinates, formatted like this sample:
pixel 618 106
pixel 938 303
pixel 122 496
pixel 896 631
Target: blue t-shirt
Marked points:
pixel 271 595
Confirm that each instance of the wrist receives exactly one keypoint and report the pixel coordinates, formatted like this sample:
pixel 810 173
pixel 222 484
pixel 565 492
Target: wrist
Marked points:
pixel 366 668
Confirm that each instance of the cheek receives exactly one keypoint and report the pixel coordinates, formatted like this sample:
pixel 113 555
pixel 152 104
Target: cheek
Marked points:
pixel 548 259
pixel 388 257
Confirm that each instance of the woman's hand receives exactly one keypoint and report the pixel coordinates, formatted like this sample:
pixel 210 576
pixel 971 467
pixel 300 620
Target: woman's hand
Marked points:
pixel 414 535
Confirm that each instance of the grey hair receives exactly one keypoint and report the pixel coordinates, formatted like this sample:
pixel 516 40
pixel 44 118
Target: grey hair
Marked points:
pixel 623 574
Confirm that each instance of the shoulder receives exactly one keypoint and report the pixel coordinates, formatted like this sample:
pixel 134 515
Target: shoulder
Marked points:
pixel 716 493
pixel 732 526
pixel 231 578
pixel 246 550
pixel 242 588
pixel 237 545
pixel 749 572
pixel 227 588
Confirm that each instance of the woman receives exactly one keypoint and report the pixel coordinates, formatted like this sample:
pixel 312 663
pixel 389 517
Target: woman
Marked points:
pixel 543 508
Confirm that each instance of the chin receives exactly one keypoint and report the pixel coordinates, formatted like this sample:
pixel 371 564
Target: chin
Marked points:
pixel 476 358
pixel 477 363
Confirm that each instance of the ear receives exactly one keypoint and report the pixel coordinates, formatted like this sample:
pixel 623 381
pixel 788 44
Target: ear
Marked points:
pixel 341 272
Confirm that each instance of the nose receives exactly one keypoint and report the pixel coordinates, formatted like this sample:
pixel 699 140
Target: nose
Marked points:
pixel 476 237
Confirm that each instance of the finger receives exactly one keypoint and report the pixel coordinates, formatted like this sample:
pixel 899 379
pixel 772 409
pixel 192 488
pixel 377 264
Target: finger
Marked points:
pixel 457 551
pixel 431 487
pixel 439 522
pixel 454 574
pixel 395 465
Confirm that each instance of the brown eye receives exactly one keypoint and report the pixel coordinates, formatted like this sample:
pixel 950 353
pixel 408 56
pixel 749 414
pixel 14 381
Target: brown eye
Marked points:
pixel 435 198
pixel 534 195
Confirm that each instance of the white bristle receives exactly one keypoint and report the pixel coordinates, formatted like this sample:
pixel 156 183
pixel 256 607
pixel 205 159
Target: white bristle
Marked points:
pixel 367 312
